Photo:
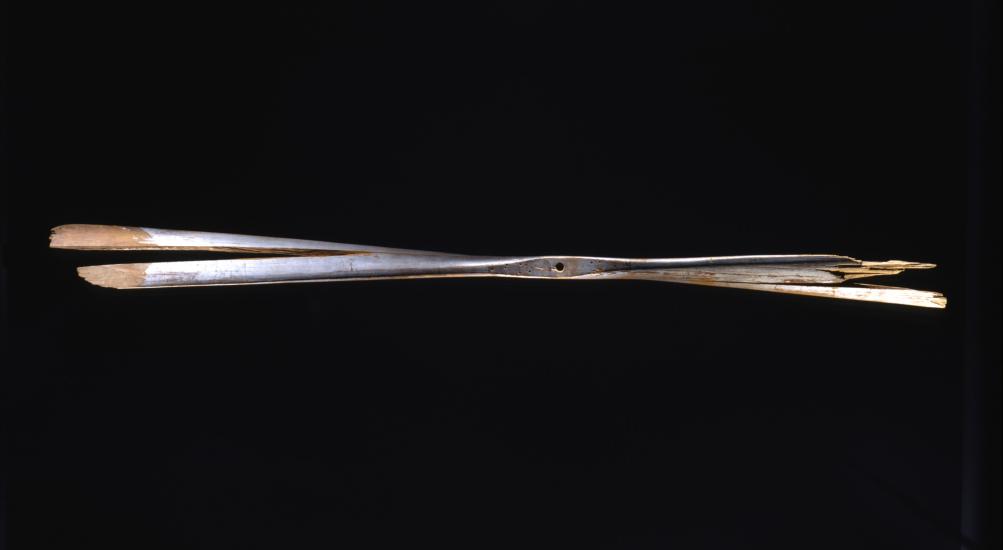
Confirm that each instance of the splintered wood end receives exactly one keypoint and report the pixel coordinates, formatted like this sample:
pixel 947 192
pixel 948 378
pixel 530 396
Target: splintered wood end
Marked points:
pixel 898 264
pixel 115 275
pixel 98 237
pixel 877 269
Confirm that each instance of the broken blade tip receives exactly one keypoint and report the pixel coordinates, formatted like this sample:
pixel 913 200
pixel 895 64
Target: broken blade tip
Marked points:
pixel 96 237
pixel 114 275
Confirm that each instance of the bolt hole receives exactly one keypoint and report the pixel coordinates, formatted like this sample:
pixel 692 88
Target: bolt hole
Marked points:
pixel 559 266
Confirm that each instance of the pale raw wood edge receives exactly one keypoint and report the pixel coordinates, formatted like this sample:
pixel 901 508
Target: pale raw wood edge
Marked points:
pixel 865 293
pixel 115 275
pixel 98 237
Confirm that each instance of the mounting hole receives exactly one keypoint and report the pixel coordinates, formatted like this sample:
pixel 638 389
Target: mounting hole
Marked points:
pixel 559 266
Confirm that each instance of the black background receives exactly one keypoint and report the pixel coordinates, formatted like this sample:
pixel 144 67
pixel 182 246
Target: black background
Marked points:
pixel 485 413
